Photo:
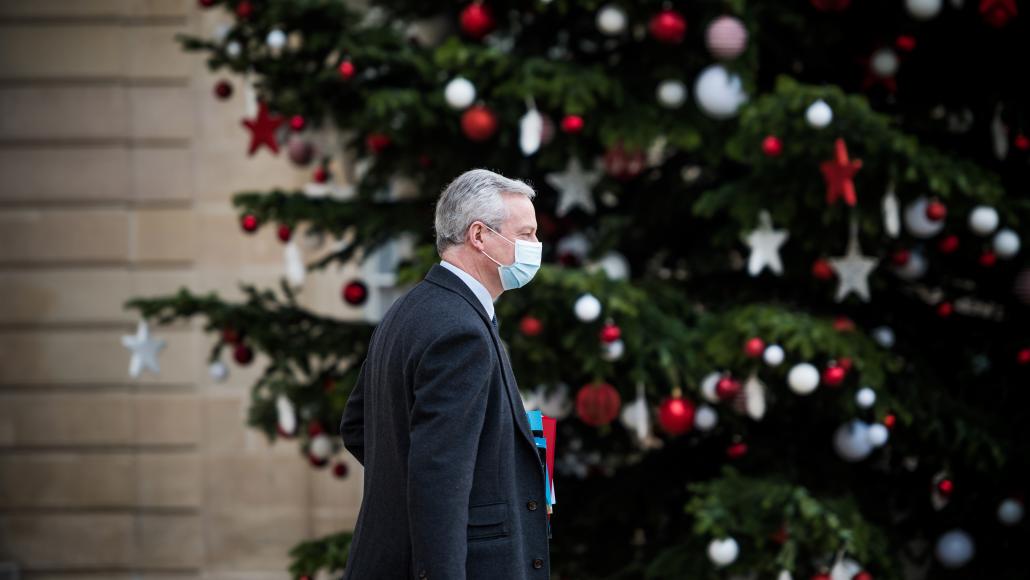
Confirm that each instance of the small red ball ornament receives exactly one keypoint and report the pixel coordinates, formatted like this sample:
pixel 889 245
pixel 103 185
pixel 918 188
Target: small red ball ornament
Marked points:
pixel 1021 142
pixel 285 232
pixel 936 211
pixel 377 142
pixel 478 123
pixel 948 244
pixel 610 333
pixel 340 470
pixel 945 487
pixel 347 70
pixel 945 309
pixel 988 259
pixel 905 43
pixel 242 354
pixel 754 347
pixel 223 89
pixel 531 326
pixel 1023 356
pixel 863 575
pixel 668 26
pixel 833 376
pixel 572 124
pixel 676 415
pixel 476 20
pixel 297 123
pixel 727 388
pixel 889 421
pixel 736 450
pixel 321 175
pixel 772 146
pixel 821 269
pixel 244 10
pixel 249 223
pixel 901 257
pixel 355 293
pixel 597 404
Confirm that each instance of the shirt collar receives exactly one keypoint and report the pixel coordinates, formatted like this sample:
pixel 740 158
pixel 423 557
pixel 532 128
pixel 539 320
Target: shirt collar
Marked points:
pixel 475 285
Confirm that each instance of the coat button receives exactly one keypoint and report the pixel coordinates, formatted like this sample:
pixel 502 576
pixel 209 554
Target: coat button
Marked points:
pixel 531 505
pixel 538 563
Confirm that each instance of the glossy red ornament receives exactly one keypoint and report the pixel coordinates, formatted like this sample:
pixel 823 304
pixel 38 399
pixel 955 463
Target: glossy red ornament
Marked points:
pixel 377 142
pixel 948 244
pixel 727 388
pixel 321 175
pixel 988 258
pixel 284 232
pixel 610 333
pixel 833 376
pixel 347 70
pixel 531 325
pixel 244 10
pixel 355 292
pixel 821 269
pixel 754 347
pixel 478 123
pixel 249 223
pixel 1023 356
pixel 901 257
pixel 772 146
pixel 936 211
pixel 945 487
pixel 668 26
pixel 905 43
pixel 736 450
pixel 340 470
pixel 476 20
pixel 572 124
pixel 676 415
pixel 223 89
pixel 945 309
pixel 889 421
pixel 597 404
pixel 1021 142
pixel 242 354
pixel 297 123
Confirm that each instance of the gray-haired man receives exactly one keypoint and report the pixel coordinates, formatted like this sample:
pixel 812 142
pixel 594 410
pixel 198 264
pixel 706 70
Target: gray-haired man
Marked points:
pixel 454 486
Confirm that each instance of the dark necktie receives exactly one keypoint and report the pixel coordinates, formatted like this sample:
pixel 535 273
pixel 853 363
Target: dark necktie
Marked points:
pixel 494 320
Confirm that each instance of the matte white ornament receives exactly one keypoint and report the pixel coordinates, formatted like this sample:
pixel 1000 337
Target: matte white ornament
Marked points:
pixel 587 307
pixel 983 220
pixel 1006 243
pixel 321 447
pixel 531 129
pixel 803 378
pixel 285 414
pixel 1010 511
pixel 671 94
pixel 884 62
pixel 884 336
pixel 916 221
pixel 853 269
pixel 819 114
pixel 865 397
pixel 891 213
pixel 723 552
pixel 773 355
pixel 706 418
pixel 574 187
pixel 923 9
pixel 718 92
pixel 459 93
pixel 851 441
pixel 708 384
pixel 754 397
pixel 218 371
pixel 611 20
pixel 276 39
pixel 614 264
pixel 612 351
pixel 878 435
pixel 295 269
pixel 955 548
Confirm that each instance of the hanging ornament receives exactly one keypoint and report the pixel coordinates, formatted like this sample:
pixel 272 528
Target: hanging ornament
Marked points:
pixel 838 173
pixel 531 326
pixel 765 244
pixel 1010 511
pixel 706 418
pixel 286 416
pixel 999 134
pixel 478 123
pixel 772 146
pixel 948 244
pixel 249 222
pixel 833 375
pixel 819 115
pixel 773 355
pixel 988 258
pixel 668 26
pixel 853 268
pixel 1023 356
pixel 883 66
pixel 913 267
pixel 242 354
pixel 955 548
pixel 636 417
pixel 244 10
pixel 377 142
pixel 611 20
pixel 223 89
pixel 671 93
pixel 736 450
pixel 891 213
pixel 718 92
pixel 923 9
pixel 321 174
pixel 262 129
pixel 218 371
pixel 531 129
pixel 726 38
pixel 347 70
pixel 708 385
pixel 821 269
pixel 851 441
pixel 610 332
pixel 597 404
pixel 612 351
pixel 614 265
pixel 587 308
pixel 294 264
pixel 321 446
pixel 754 347
pixel 936 211
pixel 144 350
pixel 622 164
pixel 723 552
pixel 983 220
pixel 573 186
pixel 997 13
pixel 340 469
pixel 476 20
pixel 572 124
pixel 877 434
pixel 754 397
pixel 355 292
pixel 459 93
pixel 803 378
pixel 727 388
pixel 276 39
pixel 865 398
pixel 299 150
pixel 918 221
pixel 676 414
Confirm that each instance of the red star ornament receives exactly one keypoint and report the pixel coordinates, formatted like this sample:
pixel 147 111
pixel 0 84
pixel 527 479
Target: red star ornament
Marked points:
pixel 838 173
pixel 262 129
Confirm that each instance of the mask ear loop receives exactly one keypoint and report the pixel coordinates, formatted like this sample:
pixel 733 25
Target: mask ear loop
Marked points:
pixel 502 237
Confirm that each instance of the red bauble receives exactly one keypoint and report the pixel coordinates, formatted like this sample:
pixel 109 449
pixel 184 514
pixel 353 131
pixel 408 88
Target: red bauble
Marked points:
pixel 285 233
pixel 610 333
pixel 377 142
pixel 231 335
pixel 988 258
pixel 223 89
pixel 754 347
pixel 668 26
pixel 340 470
pixel 736 450
pixel 948 244
pixel 839 173
pixel 318 461
pixel 905 43
pixel 889 421
pixel 676 415
pixel 1021 142
pixel 597 404
pixel 833 376
pixel 997 13
pixel 936 211
pixel 244 10
pixel 478 123
pixel 355 292
pixel 476 20
pixel 249 223
pixel 945 309
pixel 315 428
pixel 1023 356
pixel 831 5
pixel 727 388
pixel 242 354
pixel 863 575
pixel 297 123
pixel 346 70
pixel 843 324
pixel 321 175
pixel 531 325
pixel 772 146
pixel 945 487
pixel 572 124
pixel 622 164
pixel 901 257
pixel 262 129
pixel 821 269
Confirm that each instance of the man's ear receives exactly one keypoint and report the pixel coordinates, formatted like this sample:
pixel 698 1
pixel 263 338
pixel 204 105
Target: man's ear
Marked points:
pixel 475 235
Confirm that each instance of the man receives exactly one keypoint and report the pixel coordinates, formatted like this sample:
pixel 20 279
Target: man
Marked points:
pixel 454 485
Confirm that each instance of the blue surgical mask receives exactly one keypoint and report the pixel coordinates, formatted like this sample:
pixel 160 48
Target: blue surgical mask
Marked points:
pixel 527 262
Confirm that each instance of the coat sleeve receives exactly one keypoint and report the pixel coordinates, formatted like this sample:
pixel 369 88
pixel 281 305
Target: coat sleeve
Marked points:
pixel 352 426
pixel 451 388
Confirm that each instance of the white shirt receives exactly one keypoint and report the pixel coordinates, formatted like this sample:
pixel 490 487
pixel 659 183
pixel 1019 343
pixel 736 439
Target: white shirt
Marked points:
pixel 475 285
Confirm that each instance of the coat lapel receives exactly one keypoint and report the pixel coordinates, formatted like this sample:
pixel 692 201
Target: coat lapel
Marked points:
pixel 443 277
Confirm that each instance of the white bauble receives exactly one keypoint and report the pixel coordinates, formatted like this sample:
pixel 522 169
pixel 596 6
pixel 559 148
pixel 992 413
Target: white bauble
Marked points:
pixel 671 94
pixel 718 92
pixel 803 378
pixel 878 435
pixel 773 355
pixel 914 268
pixel 555 404
pixel 845 569
pixel 819 114
pixel 321 446
pixel 923 9
pixel 233 49
pixel 723 552
pixel 851 441
pixel 884 62
pixel 865 397
pixel 705 418
pixel 276 39
pixel 916 221
pixel 983 220
pixel 708 384
pixel 955 548
pixel 286 414
pixel 587 307
pixel 1006 243
pixel 459 93
pixel 611 20
pixel 634 415
pixel 1010 511
pixel 611 351
pixel 218 371
pixel 884 336
pixel 614 264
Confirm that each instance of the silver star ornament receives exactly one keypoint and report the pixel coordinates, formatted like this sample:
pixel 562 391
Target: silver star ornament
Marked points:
pixel 573 186
pixel 765 244
pixel 144 350
pixel 853 269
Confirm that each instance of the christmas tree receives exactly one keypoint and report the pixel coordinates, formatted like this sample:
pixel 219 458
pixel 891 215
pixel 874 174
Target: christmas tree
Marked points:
pixel 783 315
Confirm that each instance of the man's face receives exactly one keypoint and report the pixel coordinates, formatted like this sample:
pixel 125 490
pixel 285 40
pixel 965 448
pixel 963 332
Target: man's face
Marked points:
pixel 520 225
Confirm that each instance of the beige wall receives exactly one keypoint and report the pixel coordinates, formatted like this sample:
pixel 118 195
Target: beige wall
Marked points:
pixel 117 168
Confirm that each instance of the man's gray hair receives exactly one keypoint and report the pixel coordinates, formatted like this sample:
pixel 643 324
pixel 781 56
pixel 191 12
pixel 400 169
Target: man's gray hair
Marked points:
pixel 473 195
